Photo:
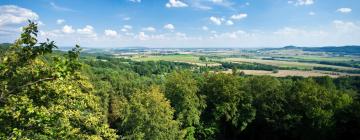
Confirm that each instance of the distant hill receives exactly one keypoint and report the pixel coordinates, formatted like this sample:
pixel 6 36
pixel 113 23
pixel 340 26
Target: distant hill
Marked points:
pixel 332 49
pixel 342 49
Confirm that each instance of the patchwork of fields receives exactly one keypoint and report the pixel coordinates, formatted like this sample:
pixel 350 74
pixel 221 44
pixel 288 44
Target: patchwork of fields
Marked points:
pixel 306 64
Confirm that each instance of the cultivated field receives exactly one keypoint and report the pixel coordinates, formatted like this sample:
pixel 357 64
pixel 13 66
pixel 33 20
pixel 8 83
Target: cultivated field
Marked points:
pixel 278 63
pixel 185 58
pixel 284 73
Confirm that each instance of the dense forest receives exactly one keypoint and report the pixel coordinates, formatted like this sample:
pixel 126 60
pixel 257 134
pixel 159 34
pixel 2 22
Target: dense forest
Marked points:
pixel 47 94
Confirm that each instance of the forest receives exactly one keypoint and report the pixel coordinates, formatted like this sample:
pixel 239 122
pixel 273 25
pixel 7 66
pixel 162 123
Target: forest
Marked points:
pixel 50 94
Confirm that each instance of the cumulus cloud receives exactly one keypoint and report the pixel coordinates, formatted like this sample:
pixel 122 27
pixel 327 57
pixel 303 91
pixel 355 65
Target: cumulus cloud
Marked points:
pixel 169 27
pixel 344 10
pixel 216 20
pixel 11 14
pixel 88 30
pixel 149 29
pixel 239 16
pixel 68 29
pixel 110 33
pixel 229 22
pixel 60 21
pixel 175 4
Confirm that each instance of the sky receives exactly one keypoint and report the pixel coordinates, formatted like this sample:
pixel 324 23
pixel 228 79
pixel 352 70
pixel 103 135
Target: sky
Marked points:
pixel 186 23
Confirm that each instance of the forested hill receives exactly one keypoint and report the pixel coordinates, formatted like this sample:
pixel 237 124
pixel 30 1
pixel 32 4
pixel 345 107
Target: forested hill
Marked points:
pixel 340 49
pixel 343 49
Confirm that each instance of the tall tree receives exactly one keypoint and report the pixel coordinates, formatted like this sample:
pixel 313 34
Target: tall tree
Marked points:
pixel 146 115
pixel 228 103
pixel 42 96
pixel 182 90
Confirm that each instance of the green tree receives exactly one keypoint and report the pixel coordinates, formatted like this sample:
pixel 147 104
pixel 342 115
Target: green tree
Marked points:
pixel 146 115
pixel 202 58
pixel 44 97
pixel 228 103
pixel 317 106
pixel 182 90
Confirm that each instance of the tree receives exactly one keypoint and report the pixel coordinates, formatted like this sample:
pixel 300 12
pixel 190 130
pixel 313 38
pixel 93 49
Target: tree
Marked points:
pixel 146 115
pixel 227 103
pixel 182 91
pixel 202 58
pixel 316 105
pixel 44 97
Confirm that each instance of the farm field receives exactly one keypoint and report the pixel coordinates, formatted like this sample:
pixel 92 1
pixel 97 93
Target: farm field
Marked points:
pixel 191 59
pixel 284 73
pixel 278 63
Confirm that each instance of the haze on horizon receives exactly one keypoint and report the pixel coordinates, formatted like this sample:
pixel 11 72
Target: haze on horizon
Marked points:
pixel 186 23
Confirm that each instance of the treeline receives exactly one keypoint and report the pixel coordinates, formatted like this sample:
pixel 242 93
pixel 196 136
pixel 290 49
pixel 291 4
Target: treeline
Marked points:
pixel 351 63
pixel 354 71
pixel 47 95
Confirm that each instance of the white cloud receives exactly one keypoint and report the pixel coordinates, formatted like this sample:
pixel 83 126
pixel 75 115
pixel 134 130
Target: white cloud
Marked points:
pixel 110 33
pixel 205 28
pixel 301 2
pixel 344 10
pixel 143 36
pixel 11 14
pixel 149 29
pixel 88 30
pixel 217 1
pixel 343 26
pixel 40 23
pixel 312 13
pixel 60 21
pixel 216 20
pixel 68 29
pixel 136 1
pixel 176 4
pixel 60 8
pixel 169 27
pixel 229 22
pixel 181 36
pixel 239 16
pixel 126 18
pixel 127 27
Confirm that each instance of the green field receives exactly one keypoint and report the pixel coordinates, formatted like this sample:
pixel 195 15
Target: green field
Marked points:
pixel 186 58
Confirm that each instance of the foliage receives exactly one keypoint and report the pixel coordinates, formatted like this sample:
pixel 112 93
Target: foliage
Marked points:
pixel 46 98
pixel 146 115
pixel 182 91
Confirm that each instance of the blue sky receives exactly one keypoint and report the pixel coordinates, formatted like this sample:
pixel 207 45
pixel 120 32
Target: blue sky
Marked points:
pixel 186 23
